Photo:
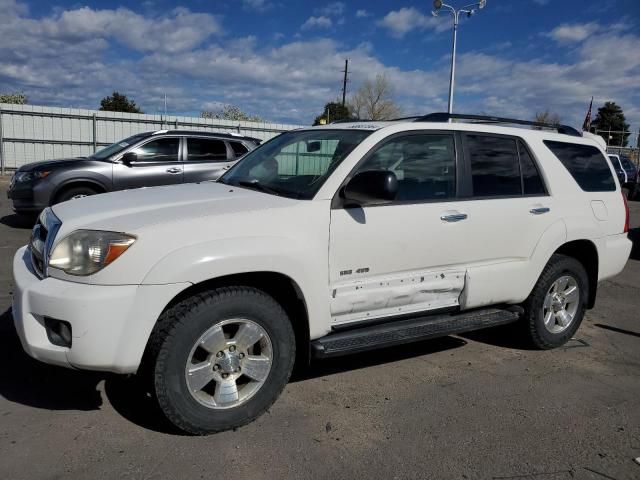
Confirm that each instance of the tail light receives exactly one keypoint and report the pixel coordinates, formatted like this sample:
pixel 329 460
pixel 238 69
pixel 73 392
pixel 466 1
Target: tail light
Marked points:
pixel 626 214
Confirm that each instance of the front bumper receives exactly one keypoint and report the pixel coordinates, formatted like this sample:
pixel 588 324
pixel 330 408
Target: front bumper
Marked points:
pixel 110 324
pixel 23 198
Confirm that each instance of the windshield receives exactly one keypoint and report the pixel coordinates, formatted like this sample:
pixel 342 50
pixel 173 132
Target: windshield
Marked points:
pixel 117 147
pixel 294 164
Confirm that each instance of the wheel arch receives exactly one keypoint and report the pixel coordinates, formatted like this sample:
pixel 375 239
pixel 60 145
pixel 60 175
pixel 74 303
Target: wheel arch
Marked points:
pixel 284 290
pixel 75 183
pixel 586 252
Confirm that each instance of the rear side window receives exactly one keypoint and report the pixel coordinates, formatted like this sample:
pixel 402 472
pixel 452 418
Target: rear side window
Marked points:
pixel 626 163
pixel 238 148
pixel 531 181
pixel 586 164
pixel 494 166
pixel 206 150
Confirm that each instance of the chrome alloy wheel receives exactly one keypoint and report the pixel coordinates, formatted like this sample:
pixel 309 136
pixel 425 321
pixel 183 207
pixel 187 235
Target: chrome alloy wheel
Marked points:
pixel 80 195
pixel 229 363
pixel 561 304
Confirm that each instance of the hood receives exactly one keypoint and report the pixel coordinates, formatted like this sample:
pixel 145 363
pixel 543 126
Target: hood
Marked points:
pixel 53 164
pixel 132 210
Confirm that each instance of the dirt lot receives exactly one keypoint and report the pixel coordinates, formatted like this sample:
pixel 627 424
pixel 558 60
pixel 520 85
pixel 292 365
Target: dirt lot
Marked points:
pixel 477 406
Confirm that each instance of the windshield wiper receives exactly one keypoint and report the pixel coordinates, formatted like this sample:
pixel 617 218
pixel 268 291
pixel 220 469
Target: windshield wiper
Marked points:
pixel 256 185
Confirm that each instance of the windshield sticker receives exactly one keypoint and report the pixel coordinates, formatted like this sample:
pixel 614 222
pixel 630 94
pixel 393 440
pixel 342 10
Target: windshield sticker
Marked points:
pixel 123 144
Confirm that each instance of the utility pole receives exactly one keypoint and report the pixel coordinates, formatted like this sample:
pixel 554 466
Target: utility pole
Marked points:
pixel 344 82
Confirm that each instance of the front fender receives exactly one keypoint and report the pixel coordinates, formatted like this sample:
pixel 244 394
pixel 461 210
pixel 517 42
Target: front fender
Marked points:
pixel 209 260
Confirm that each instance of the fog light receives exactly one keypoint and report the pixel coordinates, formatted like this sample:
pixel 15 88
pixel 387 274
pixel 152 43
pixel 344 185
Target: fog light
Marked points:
pixel 58 332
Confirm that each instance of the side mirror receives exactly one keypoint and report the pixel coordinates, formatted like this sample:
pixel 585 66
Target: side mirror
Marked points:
pixel 313 146
pixel 129 158
pixel 371 187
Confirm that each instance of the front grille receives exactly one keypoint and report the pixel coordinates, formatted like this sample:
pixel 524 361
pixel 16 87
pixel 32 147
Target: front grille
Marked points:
pixel 42 237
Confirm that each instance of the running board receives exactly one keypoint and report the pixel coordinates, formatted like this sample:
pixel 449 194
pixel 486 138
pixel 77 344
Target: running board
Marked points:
pixel 414 329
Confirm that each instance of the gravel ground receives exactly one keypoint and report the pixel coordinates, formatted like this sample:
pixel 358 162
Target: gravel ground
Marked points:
pixel 474 406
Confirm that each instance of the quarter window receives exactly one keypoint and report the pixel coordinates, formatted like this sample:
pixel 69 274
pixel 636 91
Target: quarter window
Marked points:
pixel 238 148
pixel 531 180
pixel 160 150
pixel 494 166
pixel 586 164
pixel 423 164
pixel 206 150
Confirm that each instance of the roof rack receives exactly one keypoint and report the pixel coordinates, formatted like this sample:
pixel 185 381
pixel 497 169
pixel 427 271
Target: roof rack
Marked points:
pixel 445 117
pixel 360 120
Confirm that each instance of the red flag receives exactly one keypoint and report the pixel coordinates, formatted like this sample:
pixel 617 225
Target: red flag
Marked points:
pixel 586 126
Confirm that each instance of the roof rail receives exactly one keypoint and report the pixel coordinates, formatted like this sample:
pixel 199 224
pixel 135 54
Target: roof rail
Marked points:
pixel 351 120
pixel 445 117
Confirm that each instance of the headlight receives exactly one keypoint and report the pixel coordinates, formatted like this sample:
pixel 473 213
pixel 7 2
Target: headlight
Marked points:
pixel 22 177
pixel 85 252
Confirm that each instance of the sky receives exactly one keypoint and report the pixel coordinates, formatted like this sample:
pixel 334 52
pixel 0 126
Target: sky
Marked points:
pixel 283 59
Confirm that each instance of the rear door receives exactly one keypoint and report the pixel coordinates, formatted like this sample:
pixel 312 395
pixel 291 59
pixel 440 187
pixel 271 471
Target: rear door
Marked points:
pixel 508 209
pixel 206 159
pixel 158 163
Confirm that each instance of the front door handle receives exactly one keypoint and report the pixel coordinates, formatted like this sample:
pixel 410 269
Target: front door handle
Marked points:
pixel 539 210
pixel 174 170
pixel 453 217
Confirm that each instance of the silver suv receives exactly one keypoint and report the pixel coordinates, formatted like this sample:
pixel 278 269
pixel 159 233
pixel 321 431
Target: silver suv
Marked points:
pixel 164 157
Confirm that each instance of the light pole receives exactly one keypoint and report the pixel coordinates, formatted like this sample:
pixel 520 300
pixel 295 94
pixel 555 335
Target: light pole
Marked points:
pixel 469 10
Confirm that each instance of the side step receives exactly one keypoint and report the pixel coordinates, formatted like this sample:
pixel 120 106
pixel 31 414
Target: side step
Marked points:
pixel 409 330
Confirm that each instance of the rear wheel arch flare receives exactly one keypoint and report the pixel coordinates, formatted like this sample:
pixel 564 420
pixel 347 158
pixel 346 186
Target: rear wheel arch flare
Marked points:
pixel 586 253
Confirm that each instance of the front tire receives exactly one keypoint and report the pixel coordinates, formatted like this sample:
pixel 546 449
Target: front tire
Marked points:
pixel 74 193
pixel 556 306
pixel 221 358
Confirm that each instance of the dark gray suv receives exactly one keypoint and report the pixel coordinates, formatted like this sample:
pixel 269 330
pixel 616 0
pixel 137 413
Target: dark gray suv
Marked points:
pixel 165 157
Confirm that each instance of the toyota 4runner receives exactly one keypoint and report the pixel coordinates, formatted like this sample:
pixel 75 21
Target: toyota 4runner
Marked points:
pixel 322 242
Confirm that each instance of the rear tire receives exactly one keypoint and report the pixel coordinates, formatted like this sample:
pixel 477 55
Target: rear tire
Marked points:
pixel 74 193
pixel 220 359
pixel 557 304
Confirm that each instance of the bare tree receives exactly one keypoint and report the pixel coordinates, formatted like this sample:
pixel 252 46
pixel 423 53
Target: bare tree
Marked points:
pixel 231 112
pixel 373 101
pixel 547 117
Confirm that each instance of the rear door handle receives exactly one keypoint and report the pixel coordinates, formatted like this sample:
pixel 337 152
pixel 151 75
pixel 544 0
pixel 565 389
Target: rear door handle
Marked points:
pixel 174 170
pixel 539 210
pixel 453 217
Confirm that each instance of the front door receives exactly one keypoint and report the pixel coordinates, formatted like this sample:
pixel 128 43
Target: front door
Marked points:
pixel 206 159
pixel 158 163
pixel 408 255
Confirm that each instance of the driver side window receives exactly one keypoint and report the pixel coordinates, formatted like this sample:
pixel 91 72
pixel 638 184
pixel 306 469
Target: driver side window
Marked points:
pixel 160 150
pixel 424 165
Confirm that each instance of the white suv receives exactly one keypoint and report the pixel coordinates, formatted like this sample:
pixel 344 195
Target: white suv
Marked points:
pixel 322 242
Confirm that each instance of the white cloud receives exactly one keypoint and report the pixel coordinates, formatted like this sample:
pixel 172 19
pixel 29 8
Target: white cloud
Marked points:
pixel 257 5
pixel 400 22
pixel 316 22
pixel 332 9
pixel 11 7
pixel 573 33
pixel 70 63
pixel 362 13
pixel 176 31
